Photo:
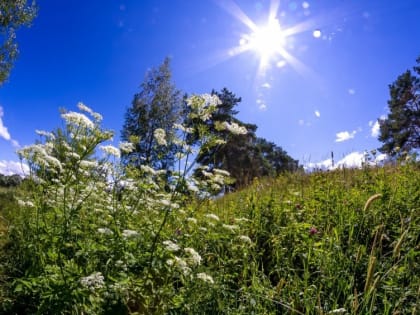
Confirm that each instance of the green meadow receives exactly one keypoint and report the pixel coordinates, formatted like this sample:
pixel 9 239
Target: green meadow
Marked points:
pixel 337 242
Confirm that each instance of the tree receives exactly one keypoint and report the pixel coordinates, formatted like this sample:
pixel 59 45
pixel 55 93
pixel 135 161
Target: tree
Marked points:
pixel 13 14
pixel 150 119
pixel 243 155
pixel 400 130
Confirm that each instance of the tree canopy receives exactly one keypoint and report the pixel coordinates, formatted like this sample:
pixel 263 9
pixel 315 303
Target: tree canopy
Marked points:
pixel 13 14
pixel 400 130
pixel 150 118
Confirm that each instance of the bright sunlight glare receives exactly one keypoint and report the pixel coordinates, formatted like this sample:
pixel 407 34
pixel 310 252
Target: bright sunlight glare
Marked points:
pixel 267 40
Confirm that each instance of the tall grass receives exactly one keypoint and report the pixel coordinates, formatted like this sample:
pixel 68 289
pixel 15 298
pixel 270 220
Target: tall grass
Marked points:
pixel 339 242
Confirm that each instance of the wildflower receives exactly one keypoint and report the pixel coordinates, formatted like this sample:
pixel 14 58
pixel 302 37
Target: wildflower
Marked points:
pixel 338 311
pixel 212 216
pixel 231 228
pixel 129 234
pixel 171 246
pixel 94 281
pixel 160 136
pixel 182 265
pixel 78 119
pixel 221 172
pixel 235 129
pixel 192 220
pixel 45 134
pixel 245 239
pixel 205 277
pixel 313 230
pixel 195 258
pixel 105 231
pixel 111 150
pixel 147 169
pixel 88 164
pixel 126 147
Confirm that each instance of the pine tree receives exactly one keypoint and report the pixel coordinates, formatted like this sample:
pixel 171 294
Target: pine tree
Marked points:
pixel 149 121
pixel 400 131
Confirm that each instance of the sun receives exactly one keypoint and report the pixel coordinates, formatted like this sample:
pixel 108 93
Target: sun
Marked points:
pixel 271 41
pixel 268 41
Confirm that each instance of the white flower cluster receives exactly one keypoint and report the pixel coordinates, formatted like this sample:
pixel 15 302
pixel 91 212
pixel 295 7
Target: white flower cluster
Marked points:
pixel 160 136
pixel 40 153
pixel 45 134
pixel 126 147
pixel 203 105
pixel 105 231
pixel 231 228
pixel 23 203
pixel 93 282
pixel 205 277
pixel 212 216
pixel 180 263
pixel 111 150
pixel 84 108
pixel 171 246
pixel 78 119
pixel 194 258
pixel 130 234
pixel 235 128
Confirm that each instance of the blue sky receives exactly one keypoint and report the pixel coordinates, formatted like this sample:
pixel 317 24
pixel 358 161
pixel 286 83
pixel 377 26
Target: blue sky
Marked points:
pixel 321 89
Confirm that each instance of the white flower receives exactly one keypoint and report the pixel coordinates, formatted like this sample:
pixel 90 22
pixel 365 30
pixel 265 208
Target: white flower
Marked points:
pixel 171 246
pixel 221 172
pixel 160 136
pixel 205 277
pixel 235 128
pixel 245 239
pixel 192 220
pixel 84 108
pixel 129 234
pixel 105 231
pixel 195 258
pixel 337 311
pixel 147 169
pixel 94 281
pixel 182 265
pixel 88 164
pixel 78 119
pixel 45 134
pixel 212 216
pixel 126 147
pixel 111 150
pixel 231 228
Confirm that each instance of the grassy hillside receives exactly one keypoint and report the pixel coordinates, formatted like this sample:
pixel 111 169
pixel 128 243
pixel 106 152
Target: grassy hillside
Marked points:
pixel 340 242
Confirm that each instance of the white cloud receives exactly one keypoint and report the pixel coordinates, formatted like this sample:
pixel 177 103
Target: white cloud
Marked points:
pixel 375 129
pixel 13 167
pixel 317 113
pixel 352 160
pixel 15 143
pixel 281 64
pixel 301 122
pixel 4 133
pixel 266 85
pixel 351 91
pixel 262 106
pixel 345 135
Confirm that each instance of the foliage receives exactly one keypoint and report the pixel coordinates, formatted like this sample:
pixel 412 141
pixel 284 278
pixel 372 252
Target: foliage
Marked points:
pixel 400 131
pixel 87 238
pixel 10 180
pixel 14 14
pixel 156 107
pixel 243 154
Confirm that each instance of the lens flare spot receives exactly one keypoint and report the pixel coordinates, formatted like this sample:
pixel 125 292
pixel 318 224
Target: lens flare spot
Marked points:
pixel 317 33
